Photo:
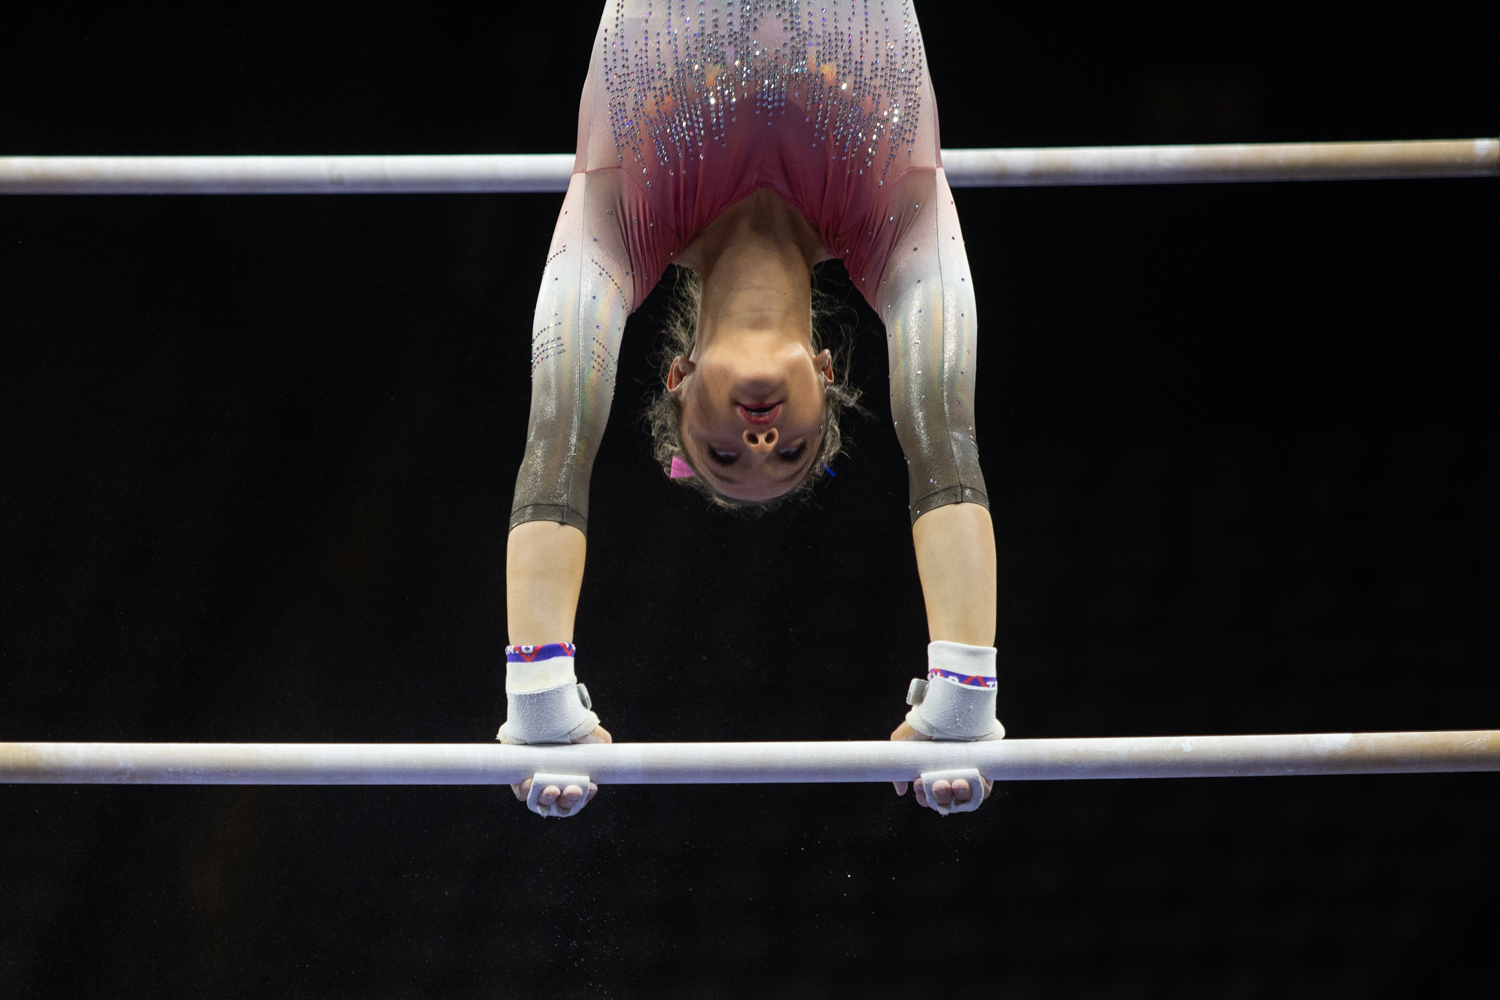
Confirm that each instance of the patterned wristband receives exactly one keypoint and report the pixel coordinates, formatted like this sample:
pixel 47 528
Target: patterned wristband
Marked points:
pixel 967 680
pixel 536 654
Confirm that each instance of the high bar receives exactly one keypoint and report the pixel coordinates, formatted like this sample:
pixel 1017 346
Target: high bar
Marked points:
pixel 495 173
pixel 746 763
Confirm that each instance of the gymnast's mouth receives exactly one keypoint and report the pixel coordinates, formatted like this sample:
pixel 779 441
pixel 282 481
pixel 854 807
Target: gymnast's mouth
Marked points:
pixel 759 413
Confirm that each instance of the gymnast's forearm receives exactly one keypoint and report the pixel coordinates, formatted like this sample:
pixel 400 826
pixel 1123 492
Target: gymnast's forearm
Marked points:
pixel 956 562
pixel 543 575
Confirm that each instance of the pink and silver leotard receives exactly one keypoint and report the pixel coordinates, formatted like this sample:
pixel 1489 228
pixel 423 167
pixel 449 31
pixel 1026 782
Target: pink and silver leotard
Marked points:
pixel 692 105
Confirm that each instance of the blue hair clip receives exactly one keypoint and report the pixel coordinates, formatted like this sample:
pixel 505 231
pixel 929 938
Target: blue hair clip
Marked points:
pixel 826 469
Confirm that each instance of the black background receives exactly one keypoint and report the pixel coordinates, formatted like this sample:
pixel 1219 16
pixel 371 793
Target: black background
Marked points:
pixel 257 454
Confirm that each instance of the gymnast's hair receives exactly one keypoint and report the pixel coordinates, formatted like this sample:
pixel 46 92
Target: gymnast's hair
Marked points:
pixel 664 414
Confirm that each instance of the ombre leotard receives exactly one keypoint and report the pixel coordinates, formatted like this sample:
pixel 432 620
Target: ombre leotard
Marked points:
pixel 690 106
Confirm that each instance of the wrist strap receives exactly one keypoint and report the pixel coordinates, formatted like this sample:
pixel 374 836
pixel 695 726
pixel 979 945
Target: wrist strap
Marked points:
pixel 957 700
pixel 544 703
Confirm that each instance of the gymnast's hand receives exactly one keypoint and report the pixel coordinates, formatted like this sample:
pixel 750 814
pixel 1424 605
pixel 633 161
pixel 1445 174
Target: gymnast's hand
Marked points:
pixel 566 798
pixel 941 792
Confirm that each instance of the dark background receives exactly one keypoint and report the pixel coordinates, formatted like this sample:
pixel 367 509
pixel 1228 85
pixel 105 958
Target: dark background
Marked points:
pixel 256 458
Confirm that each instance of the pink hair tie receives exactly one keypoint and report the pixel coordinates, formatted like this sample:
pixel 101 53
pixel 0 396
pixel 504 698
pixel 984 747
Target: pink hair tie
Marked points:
pixel 680 469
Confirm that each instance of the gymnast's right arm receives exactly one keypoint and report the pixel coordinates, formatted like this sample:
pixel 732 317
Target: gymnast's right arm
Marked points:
pixel 544 553
pixel 587 291
pixel 543 575
pixel 585 297
pixel 580 315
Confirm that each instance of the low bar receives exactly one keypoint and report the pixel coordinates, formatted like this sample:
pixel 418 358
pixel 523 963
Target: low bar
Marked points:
pixel 468 174
pixel 746 763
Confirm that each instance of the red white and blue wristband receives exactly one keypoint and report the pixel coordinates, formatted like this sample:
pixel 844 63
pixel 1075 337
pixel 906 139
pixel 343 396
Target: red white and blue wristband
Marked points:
pixel 967 680
pixel 544 703
pixel 956 701
pixel 538 654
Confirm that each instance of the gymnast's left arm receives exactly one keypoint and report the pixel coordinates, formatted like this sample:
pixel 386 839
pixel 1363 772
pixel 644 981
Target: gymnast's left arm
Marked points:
pixel 927 304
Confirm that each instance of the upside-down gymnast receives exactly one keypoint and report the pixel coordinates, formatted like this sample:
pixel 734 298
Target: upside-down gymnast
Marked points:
pixel 746 142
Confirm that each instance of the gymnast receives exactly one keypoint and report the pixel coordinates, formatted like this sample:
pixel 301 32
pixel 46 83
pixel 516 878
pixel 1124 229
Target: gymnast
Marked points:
pixel 746 142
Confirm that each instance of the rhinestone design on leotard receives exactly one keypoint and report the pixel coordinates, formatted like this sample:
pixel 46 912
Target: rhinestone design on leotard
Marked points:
pixel 851 69
pixel 544 346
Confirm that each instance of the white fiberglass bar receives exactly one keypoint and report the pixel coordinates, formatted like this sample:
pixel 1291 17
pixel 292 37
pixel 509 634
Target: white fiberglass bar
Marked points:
pixel 748 763
pixel 457 174
pixel 1278 161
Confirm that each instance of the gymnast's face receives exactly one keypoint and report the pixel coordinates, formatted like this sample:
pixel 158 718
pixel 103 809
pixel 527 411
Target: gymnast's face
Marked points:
pixel 752 412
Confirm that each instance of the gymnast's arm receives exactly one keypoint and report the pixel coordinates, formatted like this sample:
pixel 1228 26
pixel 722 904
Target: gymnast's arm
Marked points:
pixel 580 316
pixel 956 563
pixel 585 297
pixel 927 303
pixel 543 575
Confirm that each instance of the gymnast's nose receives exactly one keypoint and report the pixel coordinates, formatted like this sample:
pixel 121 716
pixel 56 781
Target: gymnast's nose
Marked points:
pixel 761 443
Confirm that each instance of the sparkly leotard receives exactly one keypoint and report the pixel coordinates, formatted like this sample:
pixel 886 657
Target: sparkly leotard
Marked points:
pixel 692 105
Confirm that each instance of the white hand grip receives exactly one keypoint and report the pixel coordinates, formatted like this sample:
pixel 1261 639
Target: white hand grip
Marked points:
pixel 539 783
pixel 969 774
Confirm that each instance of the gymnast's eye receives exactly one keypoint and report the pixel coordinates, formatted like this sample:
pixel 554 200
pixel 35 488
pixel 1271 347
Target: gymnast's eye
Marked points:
pixel 722 457
pixel 793 455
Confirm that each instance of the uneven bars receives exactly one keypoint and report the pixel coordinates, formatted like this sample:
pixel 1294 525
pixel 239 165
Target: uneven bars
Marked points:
pixel 745 763
pixel 458 174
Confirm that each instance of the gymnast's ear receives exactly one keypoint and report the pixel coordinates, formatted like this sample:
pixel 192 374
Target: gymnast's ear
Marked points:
pixel 681 368
pixel 823 362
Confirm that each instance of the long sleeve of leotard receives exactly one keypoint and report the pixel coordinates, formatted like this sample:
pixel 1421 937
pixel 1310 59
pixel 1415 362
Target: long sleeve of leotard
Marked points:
pixel 585 297
pixel 927 302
